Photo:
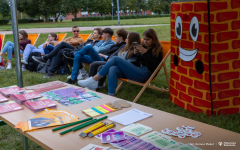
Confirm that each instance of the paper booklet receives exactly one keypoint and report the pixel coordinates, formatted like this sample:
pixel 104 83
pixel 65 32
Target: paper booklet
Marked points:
pixel 9 107
pixel 130 117
pixel 6 91
pixel 3 99
pixel 40 104
pixel 22 96
pixel 48 118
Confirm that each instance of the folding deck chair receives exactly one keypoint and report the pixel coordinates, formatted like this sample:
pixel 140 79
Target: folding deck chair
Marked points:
pixel 166 52
pixel 85 37
pixel 32 37
pixel 2 37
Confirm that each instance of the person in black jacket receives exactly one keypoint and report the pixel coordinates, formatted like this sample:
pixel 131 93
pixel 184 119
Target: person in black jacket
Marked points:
pixel 121 35
pixel 149 56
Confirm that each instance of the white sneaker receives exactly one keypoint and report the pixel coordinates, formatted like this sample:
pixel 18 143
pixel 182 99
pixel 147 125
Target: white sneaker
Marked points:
pixel 24 62
pixel 82 75
pixel 69 77
pixel 24 69
pixel 89 83
pixel 9 66
pixel 1 67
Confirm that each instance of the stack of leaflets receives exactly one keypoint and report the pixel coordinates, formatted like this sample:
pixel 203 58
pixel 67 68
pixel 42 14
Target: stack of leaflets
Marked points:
pixel 22 96
pixel 39 104
pixel 6 91
pixel 48 118
pixel 9 107
pixel 3 99
pixel 136 129
pixel 165 142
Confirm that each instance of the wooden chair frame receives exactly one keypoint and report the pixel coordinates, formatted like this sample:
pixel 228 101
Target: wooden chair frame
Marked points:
pixel 152 77
pixel 33 43
pixel 3 38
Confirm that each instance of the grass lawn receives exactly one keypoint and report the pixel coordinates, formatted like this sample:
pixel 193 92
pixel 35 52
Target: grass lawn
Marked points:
pixel 141 21
pixel 150 98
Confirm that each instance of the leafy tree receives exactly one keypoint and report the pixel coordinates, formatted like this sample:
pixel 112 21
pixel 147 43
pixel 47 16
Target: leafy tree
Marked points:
pixel 73 7
pixel 4 8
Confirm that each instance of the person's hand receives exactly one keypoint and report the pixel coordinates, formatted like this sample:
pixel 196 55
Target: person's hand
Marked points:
pixel 101 55
pixel 140 49
pixel 135 50
pixel 45 45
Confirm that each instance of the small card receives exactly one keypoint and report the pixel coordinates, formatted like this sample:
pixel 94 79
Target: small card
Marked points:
pixel 154 133
pixel 160 142
pixel 109 137
pixel 136 129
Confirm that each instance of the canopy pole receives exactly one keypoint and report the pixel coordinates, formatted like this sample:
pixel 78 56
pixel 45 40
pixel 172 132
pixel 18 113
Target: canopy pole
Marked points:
pixel 118 12
pixel 16 43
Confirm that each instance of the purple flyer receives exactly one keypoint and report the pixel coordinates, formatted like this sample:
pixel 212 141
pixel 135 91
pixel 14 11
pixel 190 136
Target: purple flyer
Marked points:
pixel 109 137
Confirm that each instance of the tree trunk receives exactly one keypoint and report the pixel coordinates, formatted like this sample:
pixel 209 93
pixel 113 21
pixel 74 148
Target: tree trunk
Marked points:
pixel 46 18
pixel 75 14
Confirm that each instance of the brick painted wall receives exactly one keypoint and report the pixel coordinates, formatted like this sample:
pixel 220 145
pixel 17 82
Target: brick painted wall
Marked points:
pixel 191 90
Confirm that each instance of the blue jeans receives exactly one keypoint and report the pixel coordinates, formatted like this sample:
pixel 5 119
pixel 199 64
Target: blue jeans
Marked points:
pixel 9 48
pixel 81 56
pixel 30 49
pixel 118 67
pixel 48 49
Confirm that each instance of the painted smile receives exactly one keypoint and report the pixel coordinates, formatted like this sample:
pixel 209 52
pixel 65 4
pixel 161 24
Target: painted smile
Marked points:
pixel 187 55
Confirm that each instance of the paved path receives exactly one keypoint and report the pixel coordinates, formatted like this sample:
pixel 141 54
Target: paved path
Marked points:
pixel 68 29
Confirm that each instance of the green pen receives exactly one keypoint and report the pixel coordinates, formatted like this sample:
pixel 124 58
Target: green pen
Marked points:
pixel 87 124
pixel 69 130
pixel 68 125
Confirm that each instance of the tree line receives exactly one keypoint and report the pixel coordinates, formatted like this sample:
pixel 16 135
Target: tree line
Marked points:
pixel 55 8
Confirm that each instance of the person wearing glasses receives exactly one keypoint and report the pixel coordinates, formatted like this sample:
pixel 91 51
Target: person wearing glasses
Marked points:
pixel 71 42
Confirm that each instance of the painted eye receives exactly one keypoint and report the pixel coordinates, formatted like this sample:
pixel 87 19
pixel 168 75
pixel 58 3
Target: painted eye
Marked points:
pixel 178 27
pixel 194 28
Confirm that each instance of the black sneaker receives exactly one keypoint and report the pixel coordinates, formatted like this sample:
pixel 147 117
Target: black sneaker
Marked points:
pixel 39 59
pixel 68 55
pixel 49 75
pixel 70 81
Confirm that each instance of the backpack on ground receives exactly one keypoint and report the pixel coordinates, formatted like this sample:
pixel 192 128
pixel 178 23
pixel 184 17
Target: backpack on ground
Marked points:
pixel 32 65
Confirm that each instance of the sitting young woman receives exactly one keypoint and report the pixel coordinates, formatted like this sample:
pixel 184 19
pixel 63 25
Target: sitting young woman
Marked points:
pixel 149 55
pixel 126 52
pixel 9 47
pixel 45 47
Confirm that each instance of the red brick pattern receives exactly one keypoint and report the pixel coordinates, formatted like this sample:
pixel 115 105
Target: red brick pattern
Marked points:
pixel 191 90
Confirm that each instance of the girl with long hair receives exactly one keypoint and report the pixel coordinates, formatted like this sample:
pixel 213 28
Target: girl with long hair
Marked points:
pixel 9 47
pixel 148 57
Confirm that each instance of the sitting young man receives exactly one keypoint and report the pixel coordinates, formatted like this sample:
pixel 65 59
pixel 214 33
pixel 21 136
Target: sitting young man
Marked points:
pixel 71 42
pixel 97 33
pixel 121 35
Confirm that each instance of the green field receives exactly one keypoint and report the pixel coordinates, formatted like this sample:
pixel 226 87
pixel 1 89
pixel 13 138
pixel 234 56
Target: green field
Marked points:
pixel 143 21
pixel 11 139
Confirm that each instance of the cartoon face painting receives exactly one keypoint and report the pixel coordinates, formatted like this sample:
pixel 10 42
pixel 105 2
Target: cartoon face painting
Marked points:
pixel 186 54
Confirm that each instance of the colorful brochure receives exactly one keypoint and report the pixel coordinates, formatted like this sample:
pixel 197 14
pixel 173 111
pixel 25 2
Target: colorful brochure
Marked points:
pixel 109 137
pixel 48 118
pixel 9 107
pixel 22 96
pixel 6 91
pixel 3 99
pixel 40 104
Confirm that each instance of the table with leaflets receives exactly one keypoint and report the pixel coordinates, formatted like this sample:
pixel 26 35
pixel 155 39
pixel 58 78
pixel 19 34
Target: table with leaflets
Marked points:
pixel 211 137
